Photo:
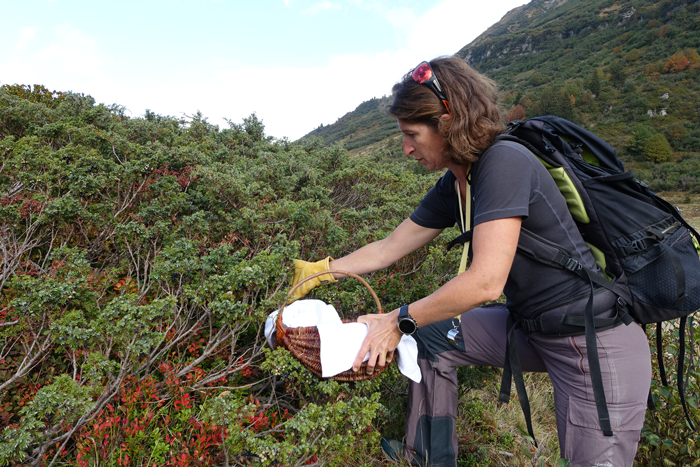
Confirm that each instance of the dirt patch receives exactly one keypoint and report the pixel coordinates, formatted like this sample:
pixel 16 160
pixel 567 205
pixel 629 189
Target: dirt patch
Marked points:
pixel 688 203
pixel 613 8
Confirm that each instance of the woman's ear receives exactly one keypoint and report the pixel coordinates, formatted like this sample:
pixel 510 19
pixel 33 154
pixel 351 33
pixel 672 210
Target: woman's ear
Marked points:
pixel 445 116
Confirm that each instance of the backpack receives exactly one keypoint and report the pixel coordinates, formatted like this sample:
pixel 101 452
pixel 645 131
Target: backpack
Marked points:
pixel 646 251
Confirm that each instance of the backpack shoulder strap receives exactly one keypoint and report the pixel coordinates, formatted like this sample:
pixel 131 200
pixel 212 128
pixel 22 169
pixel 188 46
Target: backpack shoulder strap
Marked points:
pixel 527 144
pixel 553 254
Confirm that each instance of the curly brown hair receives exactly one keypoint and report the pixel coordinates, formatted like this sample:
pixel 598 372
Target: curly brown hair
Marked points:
pixel 474 121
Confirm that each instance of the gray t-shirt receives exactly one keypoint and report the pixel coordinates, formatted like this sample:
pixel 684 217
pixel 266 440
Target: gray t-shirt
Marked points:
pixel 509 181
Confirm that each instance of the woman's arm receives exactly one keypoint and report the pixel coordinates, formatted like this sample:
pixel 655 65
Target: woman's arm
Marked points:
pixel 494 245
pixel 405 239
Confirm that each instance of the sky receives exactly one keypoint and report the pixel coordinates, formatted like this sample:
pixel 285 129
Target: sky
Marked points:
pixel 296 64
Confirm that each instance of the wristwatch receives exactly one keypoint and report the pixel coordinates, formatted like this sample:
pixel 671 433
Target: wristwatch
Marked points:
pixel 406 324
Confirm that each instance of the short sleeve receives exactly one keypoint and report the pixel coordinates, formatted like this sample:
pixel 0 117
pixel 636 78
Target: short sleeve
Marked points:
pixel 438 208
pixel 505 183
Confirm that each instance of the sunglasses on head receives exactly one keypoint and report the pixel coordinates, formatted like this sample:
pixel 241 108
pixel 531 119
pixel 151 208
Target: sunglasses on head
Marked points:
pixel 424 74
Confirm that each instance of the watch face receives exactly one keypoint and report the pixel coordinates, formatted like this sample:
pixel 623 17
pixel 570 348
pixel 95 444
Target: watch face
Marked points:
pixel 407 326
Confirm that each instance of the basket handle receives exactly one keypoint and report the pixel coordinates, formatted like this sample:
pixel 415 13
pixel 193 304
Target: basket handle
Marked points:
pixel 280 326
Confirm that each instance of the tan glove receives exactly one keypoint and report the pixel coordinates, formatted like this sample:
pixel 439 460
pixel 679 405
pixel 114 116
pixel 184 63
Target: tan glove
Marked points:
pixel 303 269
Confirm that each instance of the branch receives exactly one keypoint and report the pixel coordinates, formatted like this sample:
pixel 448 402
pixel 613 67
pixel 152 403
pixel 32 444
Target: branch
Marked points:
pixel 28 364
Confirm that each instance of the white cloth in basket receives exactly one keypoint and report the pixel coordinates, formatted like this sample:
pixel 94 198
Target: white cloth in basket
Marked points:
pixel 340 341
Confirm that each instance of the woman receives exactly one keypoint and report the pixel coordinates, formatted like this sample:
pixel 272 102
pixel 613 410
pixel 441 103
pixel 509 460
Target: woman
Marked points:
pixel 449 118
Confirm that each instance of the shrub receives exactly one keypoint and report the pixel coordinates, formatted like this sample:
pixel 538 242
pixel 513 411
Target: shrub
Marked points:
pixel 667 439
pixel 633 55
pixel 638 139
pixel 657 148
pixel 141 257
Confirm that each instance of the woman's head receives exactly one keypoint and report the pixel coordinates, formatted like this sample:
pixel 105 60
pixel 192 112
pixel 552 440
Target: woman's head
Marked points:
pixel 474 119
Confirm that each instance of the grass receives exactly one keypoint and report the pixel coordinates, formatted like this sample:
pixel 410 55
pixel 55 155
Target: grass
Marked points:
pixel 688 203
pixel 494 434
pixel 489 433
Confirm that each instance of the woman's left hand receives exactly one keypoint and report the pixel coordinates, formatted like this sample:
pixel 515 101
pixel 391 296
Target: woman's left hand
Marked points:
pixel 383 336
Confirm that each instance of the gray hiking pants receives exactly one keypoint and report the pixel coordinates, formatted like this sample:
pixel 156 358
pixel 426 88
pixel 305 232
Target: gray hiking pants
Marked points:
pixel 625 362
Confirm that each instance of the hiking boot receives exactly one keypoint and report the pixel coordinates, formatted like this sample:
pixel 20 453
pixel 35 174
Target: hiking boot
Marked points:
pixel 392 449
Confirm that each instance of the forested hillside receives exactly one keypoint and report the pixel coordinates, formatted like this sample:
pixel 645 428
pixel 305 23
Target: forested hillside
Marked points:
pixel 628 70
pixel 608 65
pixel 363 126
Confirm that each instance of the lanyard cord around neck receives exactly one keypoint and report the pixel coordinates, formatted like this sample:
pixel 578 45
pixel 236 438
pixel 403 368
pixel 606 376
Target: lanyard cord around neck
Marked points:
pixel 465 214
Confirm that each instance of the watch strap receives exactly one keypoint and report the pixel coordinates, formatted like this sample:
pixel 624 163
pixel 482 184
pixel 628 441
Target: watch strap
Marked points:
pixel 404 320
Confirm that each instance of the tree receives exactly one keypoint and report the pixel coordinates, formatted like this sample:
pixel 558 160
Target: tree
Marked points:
pixel 555 101
pixel 594 81
pixel 536 79
pixel 633 55
pixel 516 113
pixel 651 70
pixel 676 132
pixel 617 73
pixel 638 139
pixel 692 56
pixel 572 89
pixel 518 96
pixel 678 62
pixel 527 101
pixel 657 149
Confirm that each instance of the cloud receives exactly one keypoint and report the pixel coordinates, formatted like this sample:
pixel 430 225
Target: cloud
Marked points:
pixel 75 52
pixel 292 101
pixel 445 28
pixel 69 60
pixel 452 24
pixel 400 18
pixel 323 6
pixel 26 35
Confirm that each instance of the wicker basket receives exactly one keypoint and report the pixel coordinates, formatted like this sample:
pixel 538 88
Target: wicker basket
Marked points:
pixel 305 344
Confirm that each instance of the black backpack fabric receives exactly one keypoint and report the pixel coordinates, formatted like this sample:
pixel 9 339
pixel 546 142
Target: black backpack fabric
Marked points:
pixel 647 252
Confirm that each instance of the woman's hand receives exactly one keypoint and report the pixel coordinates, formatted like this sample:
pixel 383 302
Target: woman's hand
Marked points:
pixel 383 336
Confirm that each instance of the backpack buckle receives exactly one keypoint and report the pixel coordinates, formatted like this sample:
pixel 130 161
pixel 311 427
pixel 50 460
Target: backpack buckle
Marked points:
pixel 548 145
pixel 577 148
pixel 638 246
pixel 529 325
pixel 572 265
pixel 511 126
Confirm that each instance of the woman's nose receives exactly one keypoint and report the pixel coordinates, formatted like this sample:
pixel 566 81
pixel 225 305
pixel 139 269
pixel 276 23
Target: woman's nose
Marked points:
pixel 407 148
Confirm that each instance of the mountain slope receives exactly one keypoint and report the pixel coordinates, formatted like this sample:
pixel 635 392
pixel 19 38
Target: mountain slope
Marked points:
pixel 362 127
pixel 619 68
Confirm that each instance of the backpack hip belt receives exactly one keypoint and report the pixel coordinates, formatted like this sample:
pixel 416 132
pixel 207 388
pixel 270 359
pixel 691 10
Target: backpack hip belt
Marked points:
pixel 568 319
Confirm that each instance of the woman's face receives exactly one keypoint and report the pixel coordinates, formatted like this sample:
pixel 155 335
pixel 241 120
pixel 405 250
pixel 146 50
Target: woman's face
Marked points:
pixel 424 144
